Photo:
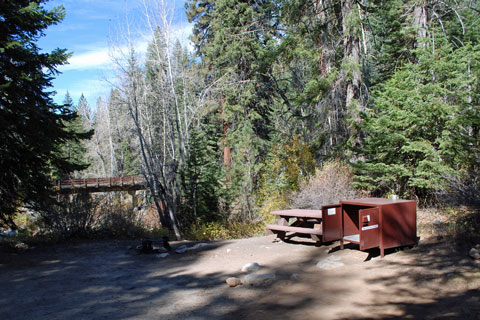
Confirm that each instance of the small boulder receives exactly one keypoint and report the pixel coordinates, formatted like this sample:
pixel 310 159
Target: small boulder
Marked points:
pixel 294 277
pixel 233 282
pixel 198 245
pixel 258 279
pixel 251 267
pixel 181 249
pixel 474 253
pixel 21 247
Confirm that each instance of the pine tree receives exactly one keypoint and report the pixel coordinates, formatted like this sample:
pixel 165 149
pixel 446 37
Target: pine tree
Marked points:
pixel 424 124
pixel 203 173
pixel 323 55
pixel 309 60
pixel 123 132
pixel 74 150
pixel 236 41
pixel 32 126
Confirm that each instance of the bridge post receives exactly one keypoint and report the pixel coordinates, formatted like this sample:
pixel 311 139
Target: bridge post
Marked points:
pixel 133 193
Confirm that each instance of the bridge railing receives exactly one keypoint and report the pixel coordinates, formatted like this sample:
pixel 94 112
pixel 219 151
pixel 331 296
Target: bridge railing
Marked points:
pixel 100 182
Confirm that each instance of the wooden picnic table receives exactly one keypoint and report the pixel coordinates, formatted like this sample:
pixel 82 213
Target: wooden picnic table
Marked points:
pixel 301 221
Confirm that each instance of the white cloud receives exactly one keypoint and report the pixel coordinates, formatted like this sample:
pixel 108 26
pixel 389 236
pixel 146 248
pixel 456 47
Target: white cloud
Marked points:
pixel 94 59
pixel 93 62
pixel 100 57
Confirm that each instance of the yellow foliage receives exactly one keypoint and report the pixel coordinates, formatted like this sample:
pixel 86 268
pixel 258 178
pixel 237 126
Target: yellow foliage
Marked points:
pixel 220 231
pixel 291 161
pixel 276 201
pixel 286 167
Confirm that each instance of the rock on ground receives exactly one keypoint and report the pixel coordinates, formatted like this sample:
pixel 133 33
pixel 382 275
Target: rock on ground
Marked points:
pixel 198 245
pixel 21 247
pixel 233 282
pixel 474 253
pixel 258 279
pixel 181 249
pixel 251 267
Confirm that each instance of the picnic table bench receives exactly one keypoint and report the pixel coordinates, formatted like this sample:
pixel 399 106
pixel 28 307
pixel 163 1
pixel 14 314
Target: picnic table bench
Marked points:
pixel 305 222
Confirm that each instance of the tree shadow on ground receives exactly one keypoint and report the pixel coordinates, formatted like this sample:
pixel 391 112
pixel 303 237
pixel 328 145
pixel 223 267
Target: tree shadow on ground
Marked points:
pixel 301 239
pixel 92 280
pixel 105 280
pixel 435 280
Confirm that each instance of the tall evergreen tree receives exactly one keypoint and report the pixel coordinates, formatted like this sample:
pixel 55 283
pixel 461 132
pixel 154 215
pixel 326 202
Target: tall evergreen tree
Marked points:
pixel 236 41
pixel 32 126
pixel 323 54
pixel 123 135
pixel 74 150
pixel 424 124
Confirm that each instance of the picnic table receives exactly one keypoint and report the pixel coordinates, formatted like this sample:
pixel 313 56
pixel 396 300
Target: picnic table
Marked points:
pixel 367 222
pixel 301 221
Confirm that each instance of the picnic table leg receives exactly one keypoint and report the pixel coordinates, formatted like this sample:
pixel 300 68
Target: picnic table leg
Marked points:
pixel 283 221
pixel 278 233
pixel 316 238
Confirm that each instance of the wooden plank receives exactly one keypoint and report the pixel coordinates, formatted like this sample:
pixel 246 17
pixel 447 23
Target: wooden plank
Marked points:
pixel 276 227
pixel 300 213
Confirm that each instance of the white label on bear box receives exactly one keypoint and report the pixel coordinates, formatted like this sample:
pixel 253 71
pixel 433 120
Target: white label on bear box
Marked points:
pixel 332 211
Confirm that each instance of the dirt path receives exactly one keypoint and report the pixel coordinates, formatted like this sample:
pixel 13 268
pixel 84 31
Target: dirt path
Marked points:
pixel 105 280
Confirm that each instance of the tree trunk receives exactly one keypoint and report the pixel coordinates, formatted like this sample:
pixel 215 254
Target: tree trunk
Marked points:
pixel 351 56
pixel 419 22
pixel 330 109
pixel 227 159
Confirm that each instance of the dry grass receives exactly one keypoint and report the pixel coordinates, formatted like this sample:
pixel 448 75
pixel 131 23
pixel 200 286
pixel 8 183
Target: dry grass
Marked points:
pixel 330 184
pixel 458 224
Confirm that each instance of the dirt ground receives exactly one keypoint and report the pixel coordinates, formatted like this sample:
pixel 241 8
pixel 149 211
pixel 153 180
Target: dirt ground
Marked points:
pixel 107 280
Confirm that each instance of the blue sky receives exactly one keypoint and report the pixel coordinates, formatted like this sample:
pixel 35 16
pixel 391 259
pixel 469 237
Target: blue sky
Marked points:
pixel 88 30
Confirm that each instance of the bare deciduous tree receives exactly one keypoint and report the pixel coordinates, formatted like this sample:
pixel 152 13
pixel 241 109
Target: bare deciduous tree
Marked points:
pixel 162 106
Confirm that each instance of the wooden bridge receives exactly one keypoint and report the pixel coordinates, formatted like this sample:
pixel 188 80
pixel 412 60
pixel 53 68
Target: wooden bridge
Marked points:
pixel 90 185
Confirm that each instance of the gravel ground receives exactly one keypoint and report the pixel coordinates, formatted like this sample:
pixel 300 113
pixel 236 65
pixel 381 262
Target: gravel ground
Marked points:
pixel 107 280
